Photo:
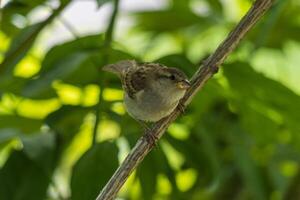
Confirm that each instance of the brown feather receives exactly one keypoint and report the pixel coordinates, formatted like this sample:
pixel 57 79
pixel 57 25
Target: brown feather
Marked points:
pixel 120 68
pixel 135 80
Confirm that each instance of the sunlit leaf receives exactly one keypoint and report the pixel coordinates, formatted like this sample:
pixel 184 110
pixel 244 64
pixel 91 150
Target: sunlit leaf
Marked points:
pixel 20 46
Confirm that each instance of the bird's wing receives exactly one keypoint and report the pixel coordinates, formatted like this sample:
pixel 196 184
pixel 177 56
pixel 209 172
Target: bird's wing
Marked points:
pixel 120 68
pixel 135 80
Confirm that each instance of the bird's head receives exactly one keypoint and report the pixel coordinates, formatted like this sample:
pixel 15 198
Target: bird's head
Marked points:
pixel 169 81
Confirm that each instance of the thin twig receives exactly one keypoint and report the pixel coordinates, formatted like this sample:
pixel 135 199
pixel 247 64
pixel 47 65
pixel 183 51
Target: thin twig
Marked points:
pixel 107 44
pixel 206 71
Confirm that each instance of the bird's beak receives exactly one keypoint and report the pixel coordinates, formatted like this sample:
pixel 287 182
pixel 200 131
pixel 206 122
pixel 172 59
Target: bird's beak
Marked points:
pixel 184 84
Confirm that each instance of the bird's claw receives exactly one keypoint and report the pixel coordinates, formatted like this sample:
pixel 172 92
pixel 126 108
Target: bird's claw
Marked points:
pixel 215 69
pixel 150 138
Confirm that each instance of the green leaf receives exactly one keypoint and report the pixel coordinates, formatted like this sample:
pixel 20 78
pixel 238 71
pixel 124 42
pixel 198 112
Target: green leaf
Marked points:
pixel 101 2
pixel 248 170
pixel 59 52
pixel 282 20
pixel 26 174
pixel 67 121
pixel 9 84
pixel 93 170
pixel 24 40
pixel 169 20
pixel 265 105
pixel 8 134
pixel 13 9
pixel 25 125
pixel 76 62
pixel 40 149
pixel 22 179
pixel 20 46
pixel 189 148
pixel 147 175
pixel 41 87
pixel 155 163
pixel 216 5
pixel 179 61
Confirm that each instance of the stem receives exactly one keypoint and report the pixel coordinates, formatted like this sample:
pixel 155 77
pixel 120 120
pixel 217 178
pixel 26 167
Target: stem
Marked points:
pixel 206 71
pixel 107 44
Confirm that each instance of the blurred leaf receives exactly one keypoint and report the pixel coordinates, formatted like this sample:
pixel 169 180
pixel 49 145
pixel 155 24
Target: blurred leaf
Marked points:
pixel 41 87
pixel 60 51
pixel 25 39
pixel 75 62
pixel 179 61
pixel 155 163
pixel 249 172
pixel 21 178
pixel 16 9
pixel 216 6
pixel 253 119
pixel 189 148
pixel 275 103
pixel 31 2
pixel 169 20
pixel 11 85
pixel 26 174
pixel 67 121
pixel 19 46
pixel 282 19
pixel 25 125
pixel 40 149
pixel 7 134
pixel 147 174
pixel 101 2
pixel 93 170
pixel 212 94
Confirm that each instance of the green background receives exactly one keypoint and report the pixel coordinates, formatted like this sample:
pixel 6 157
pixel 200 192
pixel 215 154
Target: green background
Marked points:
pixel 64 130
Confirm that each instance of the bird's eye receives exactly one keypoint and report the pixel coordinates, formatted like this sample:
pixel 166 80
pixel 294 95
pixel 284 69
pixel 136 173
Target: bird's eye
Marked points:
pixel 172 77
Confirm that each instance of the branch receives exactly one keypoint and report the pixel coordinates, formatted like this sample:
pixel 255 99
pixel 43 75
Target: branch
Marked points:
pixel 206 71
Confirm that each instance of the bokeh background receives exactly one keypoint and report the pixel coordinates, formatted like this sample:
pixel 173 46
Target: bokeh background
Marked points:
pixel 63 127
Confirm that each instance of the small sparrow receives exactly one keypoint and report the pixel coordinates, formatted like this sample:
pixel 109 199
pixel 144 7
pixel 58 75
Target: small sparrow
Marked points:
pixel 152 90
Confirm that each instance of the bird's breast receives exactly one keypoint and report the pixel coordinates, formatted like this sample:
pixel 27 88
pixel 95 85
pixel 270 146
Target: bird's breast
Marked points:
pixel 147 106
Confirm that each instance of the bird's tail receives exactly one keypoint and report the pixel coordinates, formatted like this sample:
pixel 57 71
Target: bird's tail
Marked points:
pixel 119 68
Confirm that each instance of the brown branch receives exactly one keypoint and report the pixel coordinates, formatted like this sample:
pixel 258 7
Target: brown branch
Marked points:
pixel 206 71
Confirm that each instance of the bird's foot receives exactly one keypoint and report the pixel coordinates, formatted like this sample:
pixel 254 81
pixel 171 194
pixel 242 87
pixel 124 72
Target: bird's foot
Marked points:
pixel 150 138
pixel 144 125
pixel 215 69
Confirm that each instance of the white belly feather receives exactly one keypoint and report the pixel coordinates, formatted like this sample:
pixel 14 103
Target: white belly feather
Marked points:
pixel 151 107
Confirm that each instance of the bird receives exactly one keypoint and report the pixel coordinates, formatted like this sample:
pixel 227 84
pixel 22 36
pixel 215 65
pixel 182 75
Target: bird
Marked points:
pixel 151 90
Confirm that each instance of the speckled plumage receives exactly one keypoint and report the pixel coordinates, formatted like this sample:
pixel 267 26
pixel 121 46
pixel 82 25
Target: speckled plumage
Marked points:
pixel 152 90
